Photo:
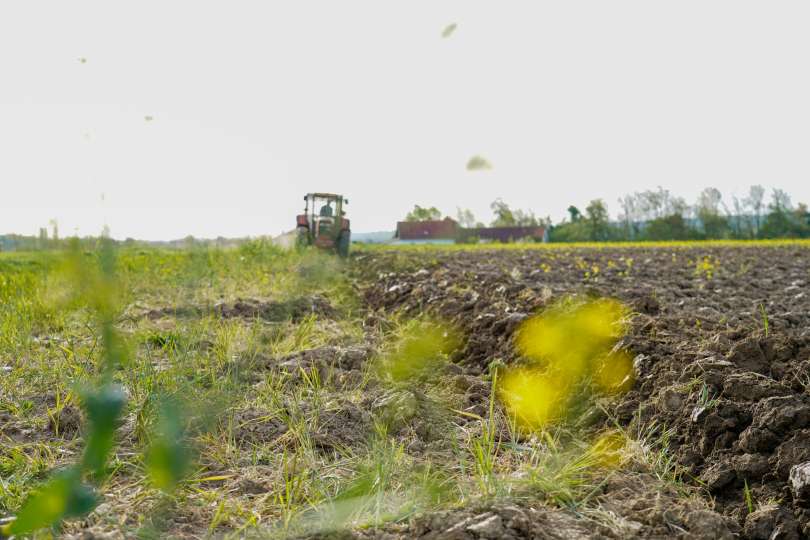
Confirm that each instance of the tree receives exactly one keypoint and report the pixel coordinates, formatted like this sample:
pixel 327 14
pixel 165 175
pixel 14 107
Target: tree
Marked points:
pixel 597 220
pixel 54 229
pixel 570 232
pixel 754 201
pixel 708 212
pixel 641 209
pixel 653 203
pixel 525 218
pixel 676 206
pixel 741 226
pixel 802 214
pixel 465 218
pixel 779 222
pixel 802 220
pixel 630 216
pixel 780 199
pixel 671 227
pixel 709 200
pixel 665 216
pixel 423 214
pixel 594 225
pixel 783 221
pixel 504 217
pixel 43 238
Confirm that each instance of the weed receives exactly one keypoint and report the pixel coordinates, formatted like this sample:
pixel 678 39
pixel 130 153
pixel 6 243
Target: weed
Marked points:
pixel 749 498
pixel 764 316
pixel 707 266
pixel 66 494
pixel 484 447
pixel 705 401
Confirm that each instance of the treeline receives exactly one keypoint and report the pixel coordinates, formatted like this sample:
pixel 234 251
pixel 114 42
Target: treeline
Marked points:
pixel 22 242
pixel 503 216
pixel 657 215
pixel 46 242
pixel 43 242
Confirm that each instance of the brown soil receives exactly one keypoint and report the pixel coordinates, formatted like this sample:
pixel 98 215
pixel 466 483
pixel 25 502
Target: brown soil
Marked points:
pixel 735 396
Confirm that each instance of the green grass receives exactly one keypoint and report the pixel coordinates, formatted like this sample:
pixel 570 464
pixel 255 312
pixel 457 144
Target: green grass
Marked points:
pixel 61 320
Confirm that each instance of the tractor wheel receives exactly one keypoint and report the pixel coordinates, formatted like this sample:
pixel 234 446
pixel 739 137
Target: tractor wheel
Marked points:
pixel 343 243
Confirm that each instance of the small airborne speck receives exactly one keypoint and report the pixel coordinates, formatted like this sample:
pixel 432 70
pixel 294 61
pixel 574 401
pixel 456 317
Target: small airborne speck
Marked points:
pixel 448 30
pixel 477 163
pixel 148 118
pixel 82 60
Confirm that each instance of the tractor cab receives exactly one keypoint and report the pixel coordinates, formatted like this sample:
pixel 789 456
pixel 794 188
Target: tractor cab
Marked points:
pixel 323 223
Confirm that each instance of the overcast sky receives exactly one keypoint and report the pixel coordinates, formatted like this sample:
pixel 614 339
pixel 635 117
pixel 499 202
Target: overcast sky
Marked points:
pixel 170 118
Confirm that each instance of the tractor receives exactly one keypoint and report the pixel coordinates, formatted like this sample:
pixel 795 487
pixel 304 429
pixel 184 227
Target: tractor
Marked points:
pixel 322 224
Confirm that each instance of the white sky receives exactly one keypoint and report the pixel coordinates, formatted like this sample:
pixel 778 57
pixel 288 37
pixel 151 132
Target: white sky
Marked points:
pixel 255 103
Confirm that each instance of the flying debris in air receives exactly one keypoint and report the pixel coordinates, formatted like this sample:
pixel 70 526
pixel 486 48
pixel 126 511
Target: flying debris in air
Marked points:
pixel 477 163
pixel 82 60
pixel 448 30
pixel 148 118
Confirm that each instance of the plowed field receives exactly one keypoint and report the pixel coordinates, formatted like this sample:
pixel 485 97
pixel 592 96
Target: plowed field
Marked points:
pixel 721 344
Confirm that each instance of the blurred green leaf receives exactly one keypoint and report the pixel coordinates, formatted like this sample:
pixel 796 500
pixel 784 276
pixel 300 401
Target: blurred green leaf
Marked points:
pixel 64 496
pixel 103 407
pixel 423 347
pixel 168 457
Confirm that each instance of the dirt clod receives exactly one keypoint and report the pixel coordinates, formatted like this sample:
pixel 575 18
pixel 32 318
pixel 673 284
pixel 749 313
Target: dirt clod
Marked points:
pixel 800 482
pixel 487 526
pixel 770 522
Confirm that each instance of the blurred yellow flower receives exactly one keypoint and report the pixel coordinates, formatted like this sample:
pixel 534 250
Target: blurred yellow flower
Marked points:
pixel 570 347
pixel 614 374
pixel 535 398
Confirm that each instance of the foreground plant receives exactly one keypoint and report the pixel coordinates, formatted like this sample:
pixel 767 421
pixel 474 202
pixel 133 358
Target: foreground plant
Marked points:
pixel 571 355
pixel 70 492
